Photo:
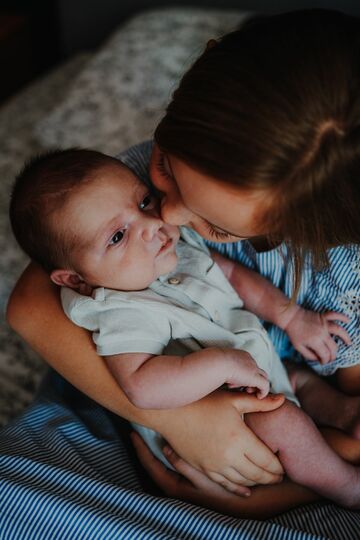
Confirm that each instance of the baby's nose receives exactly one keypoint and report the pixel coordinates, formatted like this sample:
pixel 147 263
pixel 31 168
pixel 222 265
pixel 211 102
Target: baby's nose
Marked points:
pixel 152 229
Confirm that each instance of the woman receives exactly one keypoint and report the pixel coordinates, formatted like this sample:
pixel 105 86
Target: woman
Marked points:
pixel 261 141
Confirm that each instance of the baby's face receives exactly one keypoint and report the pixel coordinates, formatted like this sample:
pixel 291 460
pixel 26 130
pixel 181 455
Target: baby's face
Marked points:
pixel 123 243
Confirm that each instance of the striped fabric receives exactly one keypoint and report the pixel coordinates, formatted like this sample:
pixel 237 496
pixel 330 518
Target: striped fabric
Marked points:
pixel 67 473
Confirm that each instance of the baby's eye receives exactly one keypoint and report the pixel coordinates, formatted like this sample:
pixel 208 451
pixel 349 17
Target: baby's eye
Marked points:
pixel 147 201
pixel 118 236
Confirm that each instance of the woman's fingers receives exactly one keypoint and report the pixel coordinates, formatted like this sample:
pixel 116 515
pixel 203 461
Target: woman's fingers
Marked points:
pixel 201 480
pixel 222 441
pixel 262 466
pixel 264 462
pixel 169 481
pixel 233 482
pixel 184 485
pixel 253 471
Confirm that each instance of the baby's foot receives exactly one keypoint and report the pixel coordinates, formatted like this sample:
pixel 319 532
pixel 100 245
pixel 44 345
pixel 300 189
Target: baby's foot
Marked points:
pixel 327 405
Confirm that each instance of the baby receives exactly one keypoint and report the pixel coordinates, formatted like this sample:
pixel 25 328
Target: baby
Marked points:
pixel 162 313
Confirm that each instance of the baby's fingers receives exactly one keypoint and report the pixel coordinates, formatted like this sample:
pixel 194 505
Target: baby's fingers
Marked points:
pixel 332 346
pixel 334 316
pixel 307 353
pixel 263 387
pixel 336 330
pixel 323 352
pixel 318 352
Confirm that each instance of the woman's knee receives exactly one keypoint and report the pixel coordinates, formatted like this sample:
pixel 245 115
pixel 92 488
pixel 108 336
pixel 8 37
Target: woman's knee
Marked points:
pixel 348 380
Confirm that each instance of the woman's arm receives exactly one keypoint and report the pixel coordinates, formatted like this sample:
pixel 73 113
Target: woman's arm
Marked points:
pixel 224 447
pixel 35 312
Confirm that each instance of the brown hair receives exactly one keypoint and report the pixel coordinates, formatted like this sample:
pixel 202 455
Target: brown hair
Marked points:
pixel 41 189
pixel 276 104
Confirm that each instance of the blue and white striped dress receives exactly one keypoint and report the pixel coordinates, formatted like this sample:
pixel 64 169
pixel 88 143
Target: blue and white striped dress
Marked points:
pixel 68 472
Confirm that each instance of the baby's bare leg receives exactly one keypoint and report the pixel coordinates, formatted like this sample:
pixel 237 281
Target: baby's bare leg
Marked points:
pixel 305 455
pixel 326 405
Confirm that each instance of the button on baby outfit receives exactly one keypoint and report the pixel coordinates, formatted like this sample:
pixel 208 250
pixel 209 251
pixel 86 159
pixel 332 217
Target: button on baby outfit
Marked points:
pixel 174 281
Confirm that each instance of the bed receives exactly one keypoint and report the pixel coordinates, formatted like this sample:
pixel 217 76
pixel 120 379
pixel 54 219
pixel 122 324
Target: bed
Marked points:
pixel 57 448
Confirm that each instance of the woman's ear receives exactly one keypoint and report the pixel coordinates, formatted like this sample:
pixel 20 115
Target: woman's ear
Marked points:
pixel 69 278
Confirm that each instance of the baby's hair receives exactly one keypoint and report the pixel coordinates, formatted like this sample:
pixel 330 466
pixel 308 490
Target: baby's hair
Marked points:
pixel 275 105
pixel 40 190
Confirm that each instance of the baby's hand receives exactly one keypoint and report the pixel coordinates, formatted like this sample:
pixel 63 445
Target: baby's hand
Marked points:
pixel 247 374
pixel 312 334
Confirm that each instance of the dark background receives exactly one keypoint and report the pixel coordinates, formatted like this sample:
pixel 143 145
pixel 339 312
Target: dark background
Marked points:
pixel 35 35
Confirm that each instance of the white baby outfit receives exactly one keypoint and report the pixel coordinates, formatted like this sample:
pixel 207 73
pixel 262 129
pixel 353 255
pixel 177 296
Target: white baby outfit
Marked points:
pixel 191 308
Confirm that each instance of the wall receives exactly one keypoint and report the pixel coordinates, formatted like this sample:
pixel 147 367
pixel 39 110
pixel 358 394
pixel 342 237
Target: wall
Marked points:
pixel 85 23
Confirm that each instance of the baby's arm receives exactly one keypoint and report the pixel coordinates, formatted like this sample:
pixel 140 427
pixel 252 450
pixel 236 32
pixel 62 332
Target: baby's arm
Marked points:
pixel 163 382
pixel 310 333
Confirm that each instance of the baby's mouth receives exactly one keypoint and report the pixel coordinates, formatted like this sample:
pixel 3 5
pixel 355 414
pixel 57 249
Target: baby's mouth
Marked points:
pixel 165 245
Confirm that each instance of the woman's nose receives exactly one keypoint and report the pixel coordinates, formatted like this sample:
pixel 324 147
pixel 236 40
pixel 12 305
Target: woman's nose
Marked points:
pixel 174 212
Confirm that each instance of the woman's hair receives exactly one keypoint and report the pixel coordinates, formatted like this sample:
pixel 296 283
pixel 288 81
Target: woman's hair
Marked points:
pixel 40 190
pixel 276 104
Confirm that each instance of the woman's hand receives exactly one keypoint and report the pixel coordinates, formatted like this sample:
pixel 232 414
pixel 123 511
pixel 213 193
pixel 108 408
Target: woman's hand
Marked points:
pixel 194 486
pixel 211 435
pixel 190 485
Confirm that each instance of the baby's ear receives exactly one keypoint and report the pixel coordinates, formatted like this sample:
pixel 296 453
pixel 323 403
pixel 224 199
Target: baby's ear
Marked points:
pixel 69 278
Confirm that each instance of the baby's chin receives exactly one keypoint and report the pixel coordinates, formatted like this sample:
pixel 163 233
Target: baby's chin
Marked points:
pixel 168 266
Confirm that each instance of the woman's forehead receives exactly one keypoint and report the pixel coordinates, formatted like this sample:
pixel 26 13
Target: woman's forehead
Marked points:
pixel 196 186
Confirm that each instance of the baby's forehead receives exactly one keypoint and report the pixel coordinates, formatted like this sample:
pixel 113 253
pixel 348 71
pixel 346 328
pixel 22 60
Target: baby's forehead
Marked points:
pixel 106 183
pixel 120 172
